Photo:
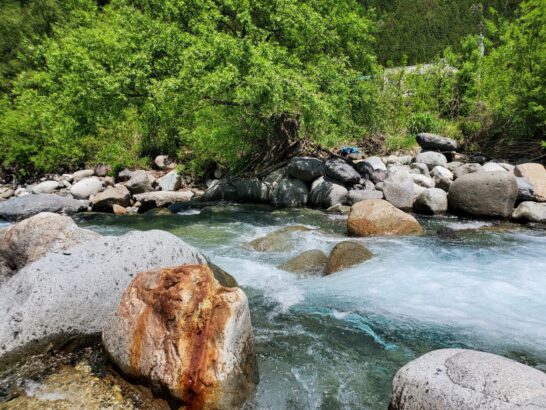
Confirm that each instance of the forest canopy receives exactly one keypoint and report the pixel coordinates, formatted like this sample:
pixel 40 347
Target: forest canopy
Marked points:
pixel 120 81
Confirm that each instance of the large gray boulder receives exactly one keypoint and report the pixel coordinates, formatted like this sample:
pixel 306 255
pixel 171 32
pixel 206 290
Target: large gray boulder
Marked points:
pixel 290 193
pixel 470 168
pixel 140 182
pixel 339 170
pixel 431 159
pixel 86 187
pixel 220 190
pixel 171 181
pixel 398 189
pixel 252 190
pixel 459 379
pixel 104 201
pixel 305 168
pixel 530 212
pixel 76 291
pixel 16 209
pixel 326 193
pixel 492 167
pixel 431 201
pixel 435 142
pixel 526 190
pixel 273 179
pixel 490 194
pixel 46 187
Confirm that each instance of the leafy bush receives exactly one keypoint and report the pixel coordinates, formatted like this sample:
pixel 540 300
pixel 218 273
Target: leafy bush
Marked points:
pixel 423 122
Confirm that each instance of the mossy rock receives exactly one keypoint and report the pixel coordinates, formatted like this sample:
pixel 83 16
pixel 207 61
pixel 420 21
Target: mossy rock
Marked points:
pixel 309 262
pixel 345 255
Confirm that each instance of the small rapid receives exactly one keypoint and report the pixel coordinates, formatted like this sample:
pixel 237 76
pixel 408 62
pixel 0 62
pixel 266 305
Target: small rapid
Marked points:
pixel 336 341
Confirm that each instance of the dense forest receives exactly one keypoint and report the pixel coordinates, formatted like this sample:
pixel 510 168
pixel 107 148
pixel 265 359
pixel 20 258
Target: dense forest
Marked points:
pixel 120 81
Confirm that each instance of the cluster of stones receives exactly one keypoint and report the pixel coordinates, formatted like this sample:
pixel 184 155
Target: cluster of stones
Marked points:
pixel 93 189
pixel 167 316
pixel 427 184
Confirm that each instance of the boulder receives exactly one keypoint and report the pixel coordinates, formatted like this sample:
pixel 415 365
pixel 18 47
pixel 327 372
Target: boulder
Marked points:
pixel 163 162
pixel 432 201
pixel 525 190
pixel 490 194
pixel 104 201
pixel 86 187
pixel 379 217
pixel 125 175
pixel 536 175
pixel 140 182
pixel 21 192
pixel 74 292
pixel 345 255
pixel 423 181
pixel 46 187
pixel 119 210
pixel 419 168
pixel 308 262
pixel 180 329
pixel 278 240
pixel 82 174
pixel 339 170
pixel 398 189
pixel 22 207
pixel 464 169
pixel 326 193
pixel 102 170
pixel 530 212
pixel 160 199
pixel 435 142
pixel 290 193
pixel 273 179
pixel 29 240
pixel 339 209
pixel 443 177
pixel 375 163
pixel 492 167
pixel 252 190
pixel 453 164
pixel 6 193
pixel 355 196
pixel 398 160
pixel 305 168
pixel 431 159
pixel 170 181
pixel 220 190
pixel 455 379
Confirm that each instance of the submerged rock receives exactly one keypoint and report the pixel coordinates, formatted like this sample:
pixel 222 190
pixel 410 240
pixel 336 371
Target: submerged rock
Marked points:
pixel 75 291
pixel 276 241
pixel 15 209
pixel 491 194
pixel 530 211
pixel 455 379
pixel 346 254
pixel 181 329
pixel 310 262
pixel 378 217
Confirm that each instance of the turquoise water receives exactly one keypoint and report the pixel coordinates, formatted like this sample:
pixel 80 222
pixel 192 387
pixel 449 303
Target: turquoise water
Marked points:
pixel 336 342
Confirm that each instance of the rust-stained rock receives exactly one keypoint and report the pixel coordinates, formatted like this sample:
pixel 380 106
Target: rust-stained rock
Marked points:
pixel 180 329
pixel 378 217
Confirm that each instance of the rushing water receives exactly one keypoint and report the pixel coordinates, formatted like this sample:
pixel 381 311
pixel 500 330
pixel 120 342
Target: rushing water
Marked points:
pixel 336 342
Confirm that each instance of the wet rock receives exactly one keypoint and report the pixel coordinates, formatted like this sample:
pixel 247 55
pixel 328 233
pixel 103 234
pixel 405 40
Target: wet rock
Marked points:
pixel 454 379
pixel 86 187
pixel 379 217
pixel 345 255
pixel 464 169
pixel 536 175
pixel 326 193
pixel 220 190
pixel 362 195
pixel 431 159
pixel 179 328
pixel 525 190
pixel 160 199
pixel 435 142
pixel 84 173
pixel 492 167
pixel 46 187
pixel 170 181
pixel 223 278
pixel 252 190
pixel 431 202
pixel 75 291
pixel 398 190
pixel 105 200
pixel 309 262
pixel 290 193
pixel 530 212
pixel 339 170
pixel 140 182
pixel 490 194
pixel 22 207
pixel 278 240
pixel 102 170
pixel 305 168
